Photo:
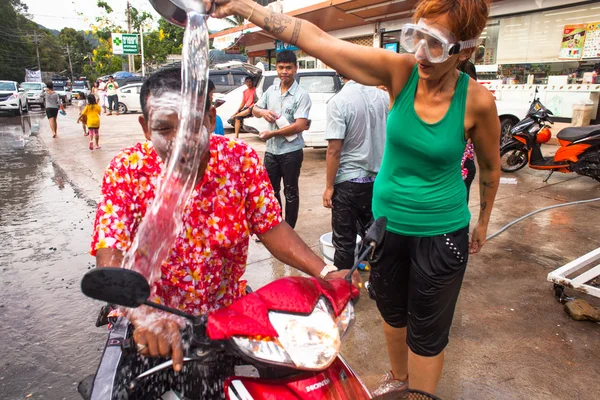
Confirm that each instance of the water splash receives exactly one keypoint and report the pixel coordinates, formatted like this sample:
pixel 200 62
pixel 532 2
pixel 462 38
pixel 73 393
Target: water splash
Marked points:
pixel 163 221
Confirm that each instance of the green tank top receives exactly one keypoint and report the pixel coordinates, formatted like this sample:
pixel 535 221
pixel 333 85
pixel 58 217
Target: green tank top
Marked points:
pixel 419 187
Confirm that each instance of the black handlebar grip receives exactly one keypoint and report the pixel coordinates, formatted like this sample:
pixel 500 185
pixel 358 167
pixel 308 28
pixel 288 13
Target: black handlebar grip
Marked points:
pixel 128 346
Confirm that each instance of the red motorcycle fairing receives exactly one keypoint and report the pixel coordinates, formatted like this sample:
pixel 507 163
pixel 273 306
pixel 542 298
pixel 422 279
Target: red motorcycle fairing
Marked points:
pixel 338 382
pixel 249 316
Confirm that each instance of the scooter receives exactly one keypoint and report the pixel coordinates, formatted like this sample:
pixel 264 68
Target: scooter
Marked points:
pixel 289 330
pixel 579 149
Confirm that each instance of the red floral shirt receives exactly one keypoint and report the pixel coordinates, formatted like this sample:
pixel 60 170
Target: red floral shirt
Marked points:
pixel 208 258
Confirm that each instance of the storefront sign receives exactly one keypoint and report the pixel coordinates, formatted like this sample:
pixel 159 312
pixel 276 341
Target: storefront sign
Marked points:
pixel 125 43
pixel 33 75
pixel 281 46
pixel 392 47
pixel 592 41
pixel 223 42
pixel 572 43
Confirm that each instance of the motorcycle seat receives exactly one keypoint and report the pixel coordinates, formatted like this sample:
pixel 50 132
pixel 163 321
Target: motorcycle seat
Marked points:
pixel 574 134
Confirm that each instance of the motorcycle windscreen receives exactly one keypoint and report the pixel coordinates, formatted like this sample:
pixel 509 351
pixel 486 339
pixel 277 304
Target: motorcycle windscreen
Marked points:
pixel 338 382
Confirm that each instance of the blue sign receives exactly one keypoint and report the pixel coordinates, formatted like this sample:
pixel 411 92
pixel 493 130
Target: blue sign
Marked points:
pixel 281 46
pixel 392 47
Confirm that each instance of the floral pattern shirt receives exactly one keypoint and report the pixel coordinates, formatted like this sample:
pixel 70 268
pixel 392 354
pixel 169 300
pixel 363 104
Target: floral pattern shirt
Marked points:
pixel 469 155
pixel 234 200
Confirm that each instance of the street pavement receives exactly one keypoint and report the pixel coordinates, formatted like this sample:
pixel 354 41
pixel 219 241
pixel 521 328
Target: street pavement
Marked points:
pixel 510 339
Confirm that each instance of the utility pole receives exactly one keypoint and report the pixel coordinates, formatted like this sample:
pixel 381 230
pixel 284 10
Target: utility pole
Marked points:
pixel 70 65
pixel 130 57
pixel 142 49
pixel 37 50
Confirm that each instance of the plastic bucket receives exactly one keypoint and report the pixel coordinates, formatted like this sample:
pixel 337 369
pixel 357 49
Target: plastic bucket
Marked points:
pixel 326 246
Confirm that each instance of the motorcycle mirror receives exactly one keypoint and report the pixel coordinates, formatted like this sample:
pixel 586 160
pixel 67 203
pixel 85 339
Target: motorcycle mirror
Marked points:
pixel 117 286
pixel 376 231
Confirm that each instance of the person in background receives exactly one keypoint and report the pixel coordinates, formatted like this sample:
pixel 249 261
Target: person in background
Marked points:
pixel 113 95
pixel 92 112
pixel 285 107
pixel 355 131
pixel 102 94
pixel 245 108
pixel 81 103
pixel 95 91
pixel 468 168
pixel 53 104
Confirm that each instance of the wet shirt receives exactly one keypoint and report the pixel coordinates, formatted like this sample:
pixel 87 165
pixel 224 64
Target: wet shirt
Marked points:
pixel 294 104
pixel 357 115
pixel 92 113
pixel 52 100
pixel 234 200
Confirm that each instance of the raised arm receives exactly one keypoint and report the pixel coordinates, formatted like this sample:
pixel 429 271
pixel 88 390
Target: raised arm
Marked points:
pixel 367 65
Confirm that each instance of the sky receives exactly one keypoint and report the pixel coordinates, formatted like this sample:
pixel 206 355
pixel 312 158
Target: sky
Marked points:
pixel 57 14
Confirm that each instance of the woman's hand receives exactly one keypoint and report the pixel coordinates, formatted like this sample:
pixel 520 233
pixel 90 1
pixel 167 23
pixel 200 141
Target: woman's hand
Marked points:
pixel 226 8
pixel 478 238
pixel 159 338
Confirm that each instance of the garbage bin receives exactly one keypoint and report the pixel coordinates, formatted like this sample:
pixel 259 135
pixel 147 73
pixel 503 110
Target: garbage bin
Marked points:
pixel 583 113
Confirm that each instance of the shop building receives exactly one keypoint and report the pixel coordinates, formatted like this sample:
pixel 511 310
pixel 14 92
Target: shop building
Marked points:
pixel 548 44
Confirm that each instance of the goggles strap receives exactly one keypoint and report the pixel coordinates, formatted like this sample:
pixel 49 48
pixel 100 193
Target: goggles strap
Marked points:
pixel 467 44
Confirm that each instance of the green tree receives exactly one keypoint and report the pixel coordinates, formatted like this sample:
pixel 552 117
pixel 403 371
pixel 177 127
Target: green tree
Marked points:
pixel 79 48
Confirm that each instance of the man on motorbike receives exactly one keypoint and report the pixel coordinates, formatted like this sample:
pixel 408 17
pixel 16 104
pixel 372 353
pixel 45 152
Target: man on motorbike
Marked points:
pixel 232 200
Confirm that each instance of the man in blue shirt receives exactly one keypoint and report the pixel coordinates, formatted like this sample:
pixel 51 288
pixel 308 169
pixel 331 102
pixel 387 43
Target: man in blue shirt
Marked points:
pixel 285 106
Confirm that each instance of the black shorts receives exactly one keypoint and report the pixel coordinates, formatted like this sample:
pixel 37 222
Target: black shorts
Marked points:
pixel 416 282
pixel 51 112
pixel 244 109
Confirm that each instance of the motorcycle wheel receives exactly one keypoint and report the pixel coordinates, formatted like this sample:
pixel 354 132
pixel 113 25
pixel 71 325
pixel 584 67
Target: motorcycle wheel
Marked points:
pixel 513 158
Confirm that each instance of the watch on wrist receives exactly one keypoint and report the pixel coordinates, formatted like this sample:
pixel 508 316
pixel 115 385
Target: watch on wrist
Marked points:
pixel 327 269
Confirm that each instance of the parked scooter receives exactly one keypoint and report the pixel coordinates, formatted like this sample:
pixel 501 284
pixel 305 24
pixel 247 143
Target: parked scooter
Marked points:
pixel 579 149
pixel 290 331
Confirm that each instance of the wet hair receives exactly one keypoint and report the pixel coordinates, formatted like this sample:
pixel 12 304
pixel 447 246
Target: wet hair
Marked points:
pixel 287 56
pixel 163 81
pixel 91 99
pixel 50 85
pixel 248 78
pixel 467 18
pixel 111 77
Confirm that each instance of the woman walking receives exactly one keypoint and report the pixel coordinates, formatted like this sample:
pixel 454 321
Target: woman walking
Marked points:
pixel 417 271
pixel 53 104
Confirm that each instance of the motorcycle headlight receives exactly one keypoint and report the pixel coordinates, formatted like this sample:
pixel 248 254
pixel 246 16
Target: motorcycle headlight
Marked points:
pixel 306 342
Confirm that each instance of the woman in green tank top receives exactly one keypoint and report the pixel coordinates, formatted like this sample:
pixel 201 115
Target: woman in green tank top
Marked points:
pixel 417 271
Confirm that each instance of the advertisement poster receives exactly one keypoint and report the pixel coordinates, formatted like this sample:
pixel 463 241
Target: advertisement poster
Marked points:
pixel 572 43
pixel 592 41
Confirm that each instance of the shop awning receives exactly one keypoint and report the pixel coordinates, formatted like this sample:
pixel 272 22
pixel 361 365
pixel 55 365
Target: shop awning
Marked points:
pixel 334 15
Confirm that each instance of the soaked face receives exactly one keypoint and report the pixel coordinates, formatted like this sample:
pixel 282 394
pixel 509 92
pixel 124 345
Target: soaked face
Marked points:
pixel 434 71
pixel 163 121
pixel 286 72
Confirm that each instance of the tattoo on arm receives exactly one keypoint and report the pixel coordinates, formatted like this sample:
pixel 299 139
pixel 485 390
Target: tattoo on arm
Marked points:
pixel 296 32
pixel 483 205
pixel 486 185
pixel 277 23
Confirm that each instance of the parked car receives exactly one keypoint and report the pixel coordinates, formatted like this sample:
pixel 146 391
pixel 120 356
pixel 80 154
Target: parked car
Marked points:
pixel 36 93
pixel 229 79
pixel 321 85
pixel 81 86
pixel 63 89
pixel 129 98
pixel 13 98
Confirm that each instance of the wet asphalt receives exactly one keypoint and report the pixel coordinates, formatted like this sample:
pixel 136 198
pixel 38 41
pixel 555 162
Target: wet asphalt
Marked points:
pixel 510 338
pixel 48 338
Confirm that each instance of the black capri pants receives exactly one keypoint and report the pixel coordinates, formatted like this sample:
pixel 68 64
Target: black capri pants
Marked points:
pixel 416 282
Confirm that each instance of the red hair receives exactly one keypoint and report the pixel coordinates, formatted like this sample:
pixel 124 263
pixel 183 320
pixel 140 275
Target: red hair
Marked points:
pixel 467 18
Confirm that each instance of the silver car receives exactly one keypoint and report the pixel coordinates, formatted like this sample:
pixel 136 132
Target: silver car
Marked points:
pixel 12 98
pixel 35 92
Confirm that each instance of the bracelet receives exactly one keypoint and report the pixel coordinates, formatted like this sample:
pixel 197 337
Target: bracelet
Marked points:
pixel 252 12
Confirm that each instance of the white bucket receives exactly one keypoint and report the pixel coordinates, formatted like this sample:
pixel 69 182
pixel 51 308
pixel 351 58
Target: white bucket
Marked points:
pixel 327 249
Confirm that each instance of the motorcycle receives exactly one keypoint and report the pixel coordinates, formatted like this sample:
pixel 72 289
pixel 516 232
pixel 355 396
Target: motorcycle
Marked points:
pixel 579 149
pixel 290 331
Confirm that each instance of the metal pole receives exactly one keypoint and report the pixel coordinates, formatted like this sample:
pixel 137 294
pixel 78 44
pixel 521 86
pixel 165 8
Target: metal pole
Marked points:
pixel 129 57
pixel 70 65
pixel 142 42
pixel 37 50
